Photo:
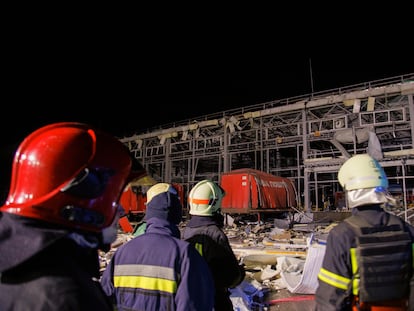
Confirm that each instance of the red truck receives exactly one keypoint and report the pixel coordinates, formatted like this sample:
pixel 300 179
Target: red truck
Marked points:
pixel 250 191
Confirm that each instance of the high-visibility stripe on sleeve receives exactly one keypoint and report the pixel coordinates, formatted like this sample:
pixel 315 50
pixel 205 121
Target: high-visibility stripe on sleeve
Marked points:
pixel 199 248
pixel 333 279
pixel 145 277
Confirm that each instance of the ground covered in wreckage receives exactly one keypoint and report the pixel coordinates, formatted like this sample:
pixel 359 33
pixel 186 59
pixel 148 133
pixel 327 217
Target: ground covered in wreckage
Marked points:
pixel 281 256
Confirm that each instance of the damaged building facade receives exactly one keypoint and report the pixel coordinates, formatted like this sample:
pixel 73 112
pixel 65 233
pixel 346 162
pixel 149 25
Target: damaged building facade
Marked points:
pixel 304 138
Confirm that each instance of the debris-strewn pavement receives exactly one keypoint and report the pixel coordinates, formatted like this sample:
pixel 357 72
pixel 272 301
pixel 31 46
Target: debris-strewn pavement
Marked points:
pixel 281 256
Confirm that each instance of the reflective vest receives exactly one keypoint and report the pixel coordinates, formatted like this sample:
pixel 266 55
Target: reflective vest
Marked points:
pixel 382 264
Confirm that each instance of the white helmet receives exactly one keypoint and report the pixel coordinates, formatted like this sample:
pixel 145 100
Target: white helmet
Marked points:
pixel 158 189
pixel 362 172
pixel 364 181
pixel 205 198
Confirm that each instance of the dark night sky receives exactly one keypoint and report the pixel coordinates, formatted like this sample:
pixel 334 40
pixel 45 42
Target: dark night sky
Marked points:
pixel 126 74
pixel 125 101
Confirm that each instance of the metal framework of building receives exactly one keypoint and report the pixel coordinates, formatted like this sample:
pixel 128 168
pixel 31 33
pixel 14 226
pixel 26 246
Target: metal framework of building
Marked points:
pixel 305 138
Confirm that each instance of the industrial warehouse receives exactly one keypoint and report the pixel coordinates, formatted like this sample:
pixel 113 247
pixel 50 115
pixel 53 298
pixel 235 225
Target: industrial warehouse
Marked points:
pixel 304 138
pixel 290 149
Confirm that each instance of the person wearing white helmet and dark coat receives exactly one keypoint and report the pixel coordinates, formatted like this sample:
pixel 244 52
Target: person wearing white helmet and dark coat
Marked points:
pixel 62 207
pixel 157 270
pixel 368 264
pixel 205 232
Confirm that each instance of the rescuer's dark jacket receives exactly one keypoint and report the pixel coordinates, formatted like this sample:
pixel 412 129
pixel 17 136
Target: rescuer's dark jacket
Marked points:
pixel 42 270
pixel 159 271
pixel 205 233
pixel 335 277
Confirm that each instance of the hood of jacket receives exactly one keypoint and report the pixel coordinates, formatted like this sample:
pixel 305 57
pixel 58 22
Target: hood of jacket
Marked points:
pixel 162 226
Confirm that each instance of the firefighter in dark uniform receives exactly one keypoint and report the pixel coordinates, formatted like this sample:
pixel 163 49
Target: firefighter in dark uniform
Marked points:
pixel 157 270
pixel 205 232
pixel 369 259
pixel 62 207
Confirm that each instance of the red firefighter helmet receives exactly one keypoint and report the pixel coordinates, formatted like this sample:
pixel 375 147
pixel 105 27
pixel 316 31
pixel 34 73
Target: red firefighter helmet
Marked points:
pixel 69 174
